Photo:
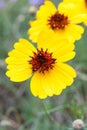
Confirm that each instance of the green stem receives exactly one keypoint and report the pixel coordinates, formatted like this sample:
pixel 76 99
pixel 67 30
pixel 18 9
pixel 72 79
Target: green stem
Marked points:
pixel 46 111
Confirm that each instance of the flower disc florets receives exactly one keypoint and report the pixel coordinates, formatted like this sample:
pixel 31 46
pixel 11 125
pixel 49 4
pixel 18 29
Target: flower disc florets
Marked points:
pixel 58 21
pixel 42 61
pixel 86 2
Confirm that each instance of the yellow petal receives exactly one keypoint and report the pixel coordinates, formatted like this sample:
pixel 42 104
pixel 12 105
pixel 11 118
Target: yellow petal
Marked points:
pixel 25 47
pixel 46 10
pixel 45 37
pixel 36 28
pixel 15 60
pixel 68 69
pixel 80 5
pixel 18 54
pixel 52 82
pixel 43 85
pixel 18 76
pixel 48 35
pixel 52 85
pixel 68 9
pixel 18 67
pixel 66 57
pixel 36 87
pixel 64 74
pixel 80 9
pixel 76 31
pixel 78 18
pixel 62 49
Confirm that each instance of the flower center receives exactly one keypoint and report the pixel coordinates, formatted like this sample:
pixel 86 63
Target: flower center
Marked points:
pixel 42 61
pixel 58 21
pixel 86 3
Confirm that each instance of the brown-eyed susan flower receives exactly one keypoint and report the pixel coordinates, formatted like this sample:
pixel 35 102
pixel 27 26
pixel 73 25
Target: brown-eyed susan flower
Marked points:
pixel 57 23
pixel 80 4
pixel 46 64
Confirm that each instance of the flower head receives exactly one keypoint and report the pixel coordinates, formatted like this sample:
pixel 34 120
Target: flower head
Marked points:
pixel 50 75
pixel 57 23
pixel 78 124
pixel 80 4
pixel 32 10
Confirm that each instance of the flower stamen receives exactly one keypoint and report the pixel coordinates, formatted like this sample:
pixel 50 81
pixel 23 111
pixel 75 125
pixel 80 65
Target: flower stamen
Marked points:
pixel 42 61
pixel 58 21
pixel 86 3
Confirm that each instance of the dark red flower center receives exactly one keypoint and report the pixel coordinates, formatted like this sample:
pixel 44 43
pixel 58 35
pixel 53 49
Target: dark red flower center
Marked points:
pixel 42 61
pixel 86 3
pixel 58 21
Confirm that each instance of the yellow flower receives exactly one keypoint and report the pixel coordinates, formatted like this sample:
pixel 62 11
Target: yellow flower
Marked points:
pixel 50 75
pixel 80 4
pixel 57 23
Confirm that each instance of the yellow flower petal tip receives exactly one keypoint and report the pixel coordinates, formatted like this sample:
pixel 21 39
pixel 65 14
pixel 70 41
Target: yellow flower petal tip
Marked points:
pixel 81 6
pixel 46 64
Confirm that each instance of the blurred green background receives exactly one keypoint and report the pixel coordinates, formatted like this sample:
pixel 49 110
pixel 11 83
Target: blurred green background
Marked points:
pixel 19 110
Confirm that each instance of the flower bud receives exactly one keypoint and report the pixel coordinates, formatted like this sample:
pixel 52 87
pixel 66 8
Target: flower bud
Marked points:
pixel 78 124
pixel 32 9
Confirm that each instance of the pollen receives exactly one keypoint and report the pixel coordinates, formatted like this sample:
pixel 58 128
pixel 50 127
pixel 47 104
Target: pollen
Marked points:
pixel 58 21
pixel 42 61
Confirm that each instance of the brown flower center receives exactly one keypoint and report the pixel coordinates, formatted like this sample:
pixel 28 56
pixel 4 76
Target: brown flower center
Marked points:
pixel 58 21
pixel 42 61
pixel 86 3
